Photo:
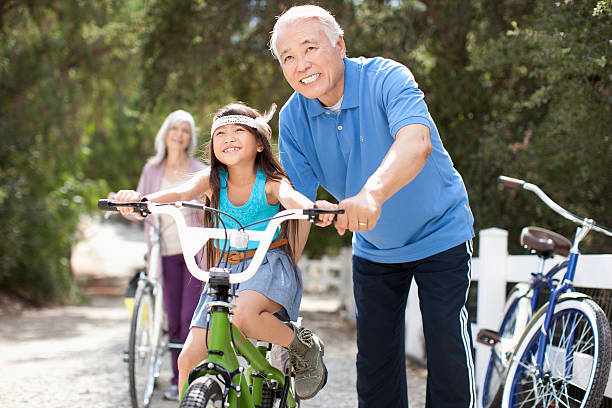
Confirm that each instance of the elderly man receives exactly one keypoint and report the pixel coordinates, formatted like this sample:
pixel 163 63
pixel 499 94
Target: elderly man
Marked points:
pixel 360 128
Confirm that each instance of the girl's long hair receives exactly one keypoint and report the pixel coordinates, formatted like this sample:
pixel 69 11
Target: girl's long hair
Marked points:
pixel 269 165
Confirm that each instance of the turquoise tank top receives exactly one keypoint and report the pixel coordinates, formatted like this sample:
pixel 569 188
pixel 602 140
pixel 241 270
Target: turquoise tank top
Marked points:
pixel 255 209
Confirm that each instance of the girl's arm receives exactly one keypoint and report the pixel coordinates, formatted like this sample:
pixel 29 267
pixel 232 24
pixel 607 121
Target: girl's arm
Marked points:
pixel 292 199
pixel 195 187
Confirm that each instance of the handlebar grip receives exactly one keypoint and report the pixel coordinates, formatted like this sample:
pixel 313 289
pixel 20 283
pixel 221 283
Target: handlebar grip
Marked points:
pixel 313 213
pixel 511 182
pixel 106 205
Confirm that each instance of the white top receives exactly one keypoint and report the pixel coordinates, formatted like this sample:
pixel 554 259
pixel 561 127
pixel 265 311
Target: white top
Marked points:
pixel 336 107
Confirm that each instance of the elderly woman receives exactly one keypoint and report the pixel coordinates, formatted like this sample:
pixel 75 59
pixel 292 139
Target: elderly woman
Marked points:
pixel 172 164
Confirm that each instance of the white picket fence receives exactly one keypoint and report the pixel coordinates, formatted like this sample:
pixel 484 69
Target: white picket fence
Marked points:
pixel 594 271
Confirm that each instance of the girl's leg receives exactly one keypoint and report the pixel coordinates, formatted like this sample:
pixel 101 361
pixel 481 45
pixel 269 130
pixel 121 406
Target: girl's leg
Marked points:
pixel 254 316
pixel 194 351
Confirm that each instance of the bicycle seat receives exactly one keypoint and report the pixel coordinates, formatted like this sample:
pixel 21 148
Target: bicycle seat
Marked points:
pixel 544 242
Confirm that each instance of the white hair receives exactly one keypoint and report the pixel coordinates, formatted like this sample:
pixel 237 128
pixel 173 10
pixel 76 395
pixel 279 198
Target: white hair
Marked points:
pixel 298 13
pixel 176 117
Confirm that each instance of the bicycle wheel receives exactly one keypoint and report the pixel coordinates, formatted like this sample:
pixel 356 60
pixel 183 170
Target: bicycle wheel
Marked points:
pixel 203 392
pixel 143 350
pixel 576 361
pixel 516 316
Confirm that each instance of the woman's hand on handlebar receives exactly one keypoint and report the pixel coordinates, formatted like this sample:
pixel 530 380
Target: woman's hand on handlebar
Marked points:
pixel 325 219
pixel 127 196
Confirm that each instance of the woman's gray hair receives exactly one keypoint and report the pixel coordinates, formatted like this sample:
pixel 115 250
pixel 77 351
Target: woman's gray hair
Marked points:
pixel 176 117
pixel 328 23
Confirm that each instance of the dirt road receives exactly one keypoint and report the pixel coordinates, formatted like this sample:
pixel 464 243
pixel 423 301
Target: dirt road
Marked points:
pixel 72 356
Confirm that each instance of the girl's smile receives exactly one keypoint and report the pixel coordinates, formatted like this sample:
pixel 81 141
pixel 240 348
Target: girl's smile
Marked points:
pixel 236 144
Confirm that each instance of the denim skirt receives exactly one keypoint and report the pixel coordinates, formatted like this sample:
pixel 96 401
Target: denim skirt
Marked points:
pixel 276 279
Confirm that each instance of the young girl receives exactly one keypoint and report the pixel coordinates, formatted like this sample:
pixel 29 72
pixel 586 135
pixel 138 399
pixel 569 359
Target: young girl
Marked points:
pixel 246 181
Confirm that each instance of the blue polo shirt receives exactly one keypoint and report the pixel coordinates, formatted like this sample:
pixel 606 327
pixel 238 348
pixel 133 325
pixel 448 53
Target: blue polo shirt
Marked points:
pixel 341 151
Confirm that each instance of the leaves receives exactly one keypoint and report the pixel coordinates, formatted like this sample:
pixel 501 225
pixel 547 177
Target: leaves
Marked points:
pixel 516 87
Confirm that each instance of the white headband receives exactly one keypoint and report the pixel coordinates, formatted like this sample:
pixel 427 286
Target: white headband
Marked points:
pixel 260 123
pixel 233 120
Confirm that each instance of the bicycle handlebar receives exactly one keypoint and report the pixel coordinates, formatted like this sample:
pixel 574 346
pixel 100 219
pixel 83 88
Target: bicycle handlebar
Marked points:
pixel 518 184
pixel 193 239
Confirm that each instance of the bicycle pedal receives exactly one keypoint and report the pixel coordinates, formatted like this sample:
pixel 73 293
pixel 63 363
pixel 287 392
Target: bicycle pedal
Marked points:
pixel 488 337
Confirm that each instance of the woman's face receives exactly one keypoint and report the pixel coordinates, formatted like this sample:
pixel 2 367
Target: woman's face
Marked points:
pixel 178 137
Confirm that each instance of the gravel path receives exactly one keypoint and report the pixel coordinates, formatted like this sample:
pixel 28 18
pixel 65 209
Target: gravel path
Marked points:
pixel 73 355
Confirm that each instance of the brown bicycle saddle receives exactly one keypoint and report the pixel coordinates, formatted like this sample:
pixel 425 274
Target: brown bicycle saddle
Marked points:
pixel 545 242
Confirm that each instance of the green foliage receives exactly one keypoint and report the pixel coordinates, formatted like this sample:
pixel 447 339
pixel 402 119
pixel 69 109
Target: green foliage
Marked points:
pixel 516 87
pixel 59 62
pixel 547 77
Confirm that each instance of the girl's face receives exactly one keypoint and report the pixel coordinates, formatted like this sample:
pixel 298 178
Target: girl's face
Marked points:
pixel 178 137
pixel 235 145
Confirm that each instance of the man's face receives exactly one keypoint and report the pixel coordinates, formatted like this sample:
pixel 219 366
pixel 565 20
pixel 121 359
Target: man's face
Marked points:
pixel 311 64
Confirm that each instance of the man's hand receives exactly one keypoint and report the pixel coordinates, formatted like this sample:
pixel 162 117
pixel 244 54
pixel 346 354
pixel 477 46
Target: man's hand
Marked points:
pixel 361 212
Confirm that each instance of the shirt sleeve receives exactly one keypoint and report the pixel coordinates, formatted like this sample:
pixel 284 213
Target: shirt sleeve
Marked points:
pixel 403 100
pixel 142 183
pixel 295 162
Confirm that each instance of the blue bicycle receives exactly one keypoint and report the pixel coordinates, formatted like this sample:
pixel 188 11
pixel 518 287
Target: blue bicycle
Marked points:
pixel 559 354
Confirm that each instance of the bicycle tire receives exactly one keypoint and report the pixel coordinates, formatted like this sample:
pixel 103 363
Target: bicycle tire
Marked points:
pixel 575 374
pixel 143 354
pixel 203 392
pixel 517 312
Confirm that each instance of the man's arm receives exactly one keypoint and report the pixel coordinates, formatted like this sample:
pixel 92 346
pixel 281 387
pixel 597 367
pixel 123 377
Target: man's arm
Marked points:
pixel 402 163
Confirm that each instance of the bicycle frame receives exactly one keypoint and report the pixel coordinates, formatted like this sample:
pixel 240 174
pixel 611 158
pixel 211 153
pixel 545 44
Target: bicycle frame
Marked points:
pixel 566 285
pixel 537 283
pixel 539 278
pixel 222 360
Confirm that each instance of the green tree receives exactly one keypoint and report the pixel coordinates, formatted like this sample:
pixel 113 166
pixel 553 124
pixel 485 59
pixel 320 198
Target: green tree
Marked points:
pixel 546 73
pixel 59 64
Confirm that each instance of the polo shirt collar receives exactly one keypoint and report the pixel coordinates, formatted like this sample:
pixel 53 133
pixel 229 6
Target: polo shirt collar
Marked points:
pixel 351 90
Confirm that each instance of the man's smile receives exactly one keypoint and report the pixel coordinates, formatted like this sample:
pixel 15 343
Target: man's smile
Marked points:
pixel 309 79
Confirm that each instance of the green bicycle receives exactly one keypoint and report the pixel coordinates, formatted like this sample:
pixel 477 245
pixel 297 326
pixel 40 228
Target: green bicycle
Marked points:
pixel 221 380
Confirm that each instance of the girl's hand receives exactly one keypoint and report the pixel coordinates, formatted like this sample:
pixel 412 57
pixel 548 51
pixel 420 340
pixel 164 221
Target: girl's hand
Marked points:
pixel 325 219
pixel 127 196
